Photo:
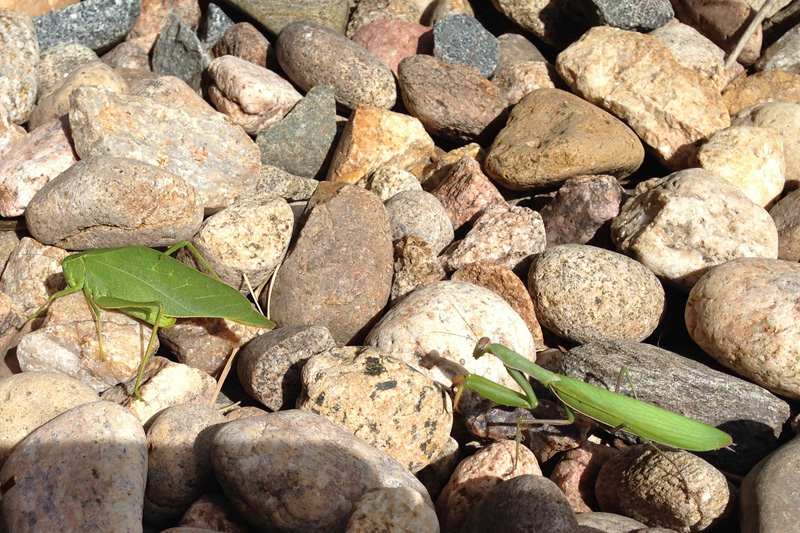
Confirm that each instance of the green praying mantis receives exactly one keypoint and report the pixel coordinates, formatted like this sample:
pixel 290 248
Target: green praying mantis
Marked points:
pixel 154 287
pixel 618 411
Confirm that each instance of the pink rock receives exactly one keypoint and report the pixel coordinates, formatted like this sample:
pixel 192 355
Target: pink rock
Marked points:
pixel 391 40
pixel 576 472
pixel 466 192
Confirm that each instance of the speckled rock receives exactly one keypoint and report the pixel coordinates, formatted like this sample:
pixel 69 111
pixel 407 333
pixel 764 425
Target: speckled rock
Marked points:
pixel 432 174
pixel 476 475
pixel 742 314
pixel 369 11
pixel 638 80
pixel 102 202
pixel 245 41
pixel 127 55
pixel 252 96
pixel 213 25
pixel 553 135
pixel 392 40
pixel 292 188
pixel 760 88
pixel 97 24
pixel 695 51
pixel 642 483
pixel 214 156
pixel 446 8
pixel 466 192
pixel 786 214
pixel 312 54
pixel 461 39
pixel 518 78
pixel 584 294
pixel 613 523
pixel 681 225
pixel 302 142
pixel 58 62
pixel 408 417
pixel 19 62
pixel 420 214
pixel 375 137
pixel 56 102
pixel 448 318
pixel 508 237
pixel 10 133
pixel 274 15
pixel 32 274
pixel 576 472
pixel 305 460
pixel 547 21
pixel 529 503
pixel 387 181
pixel 304 291
pixel 33 161
pixel 415 265
pixel 782 54
pixel 31 399
pixel 785 119
pixel 470 108
pixel 213 511
pixel 388 509
pixel 634 15
pixel 178 460
pixel 154 17
pixel 179 52
pixel 749 157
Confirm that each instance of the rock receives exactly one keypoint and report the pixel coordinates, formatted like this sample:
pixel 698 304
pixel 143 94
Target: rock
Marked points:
pixel 215 157
pixel 179 52
pixel 103 202
pixel 784 118
pixel 515 48
pixel 522 77
pixel 31 399
pixel 408 417
pixel 694 498
pixel 462 40
pixel 749 157
pixel 269 366
pixel 466 192
pixel 471 108
pixel 681 225
pixel 213 511
pixel 694 50
pixel 434 173
pixel 529 503
pixel 213 25
pixel 60 61
pixel 33 161
pixel 508 237
pixel 582 210
pixel 400 506
pixel 10 133
pixel 584 294
pixel 301 457
pixel 18 64
pixel 638 80
pixel 612 523
pixel 248 239
pixel 369 11
pixel 760 88
pixel 641 16
pixel 106 476
pixel 785 214
pixel 392 40
pixel 448 318
pixel 752 416
pixel 552 135
pixel 301 143
pixel 763 505
pixel 475 477
pixel 155 18
pixel 127 55
pixel 275 181
pixel 37 7
pixel 274 15
pixel 245 41
pixel 576 472
pixel 388 181
pixel 178 460
pixel 415 265
pixel 312 54
pixel 550 23
pixel 96 24
pixel 739 298
pixel 32 274
pixel 782 54
pixel 446 8
pixel 420 214
pixel 303 292
pixel 373 138
pixel 251 95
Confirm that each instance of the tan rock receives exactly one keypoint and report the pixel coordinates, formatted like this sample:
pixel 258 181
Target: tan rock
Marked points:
pixel 762 87
pixel 397 505
pixel 783 118
pixel 786 214
pixel 518 78
pixel 415 266
pixel 638 80
pixel 695 51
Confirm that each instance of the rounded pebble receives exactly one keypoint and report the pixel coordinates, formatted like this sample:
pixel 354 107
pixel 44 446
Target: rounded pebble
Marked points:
pixel 388 181
pixel 58 62
pixel 388 509
pixel 420 214
pixel 786 214
pixel 784 118
pixel 19 62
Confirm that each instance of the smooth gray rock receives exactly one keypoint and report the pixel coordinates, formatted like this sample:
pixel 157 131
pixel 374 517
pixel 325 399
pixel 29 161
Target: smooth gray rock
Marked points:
pixel 98 24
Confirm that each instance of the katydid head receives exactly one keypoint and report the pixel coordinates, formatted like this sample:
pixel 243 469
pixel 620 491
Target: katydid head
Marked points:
pixel 74 270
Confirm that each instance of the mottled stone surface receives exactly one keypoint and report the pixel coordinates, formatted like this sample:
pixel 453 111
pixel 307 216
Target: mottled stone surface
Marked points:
pixel 786 214
pixel 387 181
pixel 19 61
pixel 213 25
pixel 127 55
pixel 694 50
pixel 548 21
pixel 575 474
pixel 274 15
pixel 245 41
pixel 288 186
pixel 634 15
pixel 415 265
pixel 518 78
pixel 742 313
pixel 420 214
pixel 154 18
pixel 10 133
pixel 97 24
pixel 369 11
pixel 784 118
pixel 400 507
pixel 179 52
pixel 638 80
pixel 782 54
pixel 58 62
pixel 466 192
pixel 392 40
pixel 32 274
pixel 461 39
pixel 760 88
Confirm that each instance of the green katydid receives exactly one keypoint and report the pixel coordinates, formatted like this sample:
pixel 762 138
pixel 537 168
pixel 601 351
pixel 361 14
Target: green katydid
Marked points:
pixel 613 409
pixel 153 287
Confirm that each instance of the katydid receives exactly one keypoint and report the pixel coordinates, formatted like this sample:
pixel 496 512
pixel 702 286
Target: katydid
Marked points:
pixel 613 409
pixel 153 287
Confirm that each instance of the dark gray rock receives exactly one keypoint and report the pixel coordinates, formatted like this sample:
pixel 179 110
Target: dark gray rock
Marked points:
pixel 462 40
pixel 213 25
pixel 633 15
pixel 302 141
pixel 179 52
pixel 97 24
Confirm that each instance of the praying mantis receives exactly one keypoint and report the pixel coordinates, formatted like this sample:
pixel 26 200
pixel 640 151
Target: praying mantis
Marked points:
pixel 151 286
pixel 618 411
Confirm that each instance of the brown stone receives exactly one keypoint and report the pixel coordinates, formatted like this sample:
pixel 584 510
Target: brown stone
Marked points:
pixel 762 87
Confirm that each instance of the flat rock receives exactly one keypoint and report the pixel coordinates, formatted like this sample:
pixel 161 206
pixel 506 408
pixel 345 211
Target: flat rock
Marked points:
pixel 288 186
pixel 681 225
pixel 392 40
pixel 97 24
pixel 552 135
pixel 214 156
pixel 638 80
pixel 785 119
pixel 760 88
pixel 461 39
pixel 106 477
pixel 742 314
pixel 58 62
pixel 178 52
pixel 104 202
pixel 274 15
pixel 19 62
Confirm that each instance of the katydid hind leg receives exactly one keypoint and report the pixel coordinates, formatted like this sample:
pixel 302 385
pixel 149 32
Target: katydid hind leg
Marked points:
pixel 146 356
pixel 90 300
pixel 186 244
pixel 53 297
